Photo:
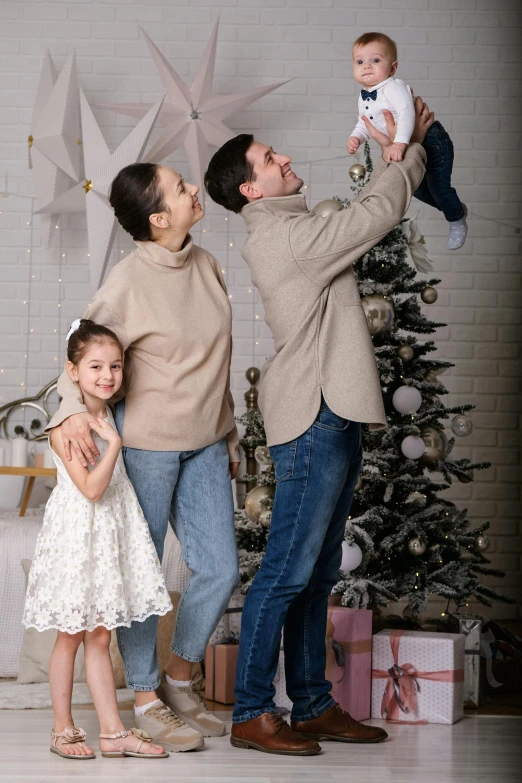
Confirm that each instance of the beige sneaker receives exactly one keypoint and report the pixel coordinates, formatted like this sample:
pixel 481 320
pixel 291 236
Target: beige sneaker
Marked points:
pixel 168 730
pixel 189 706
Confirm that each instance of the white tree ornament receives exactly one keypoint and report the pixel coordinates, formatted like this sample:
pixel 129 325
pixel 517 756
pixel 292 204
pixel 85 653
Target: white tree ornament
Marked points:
pixel 192 116
pixel 101 166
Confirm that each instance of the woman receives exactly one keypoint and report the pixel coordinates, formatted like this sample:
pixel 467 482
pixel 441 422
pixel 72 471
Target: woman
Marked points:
pixel 168 306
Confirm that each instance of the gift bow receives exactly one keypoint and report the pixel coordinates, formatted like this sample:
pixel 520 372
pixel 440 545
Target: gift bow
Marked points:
pixel 400 693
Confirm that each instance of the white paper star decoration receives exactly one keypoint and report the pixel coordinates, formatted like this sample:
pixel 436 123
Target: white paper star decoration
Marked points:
pixel 191 115
pixel 91 194
pixel 54 152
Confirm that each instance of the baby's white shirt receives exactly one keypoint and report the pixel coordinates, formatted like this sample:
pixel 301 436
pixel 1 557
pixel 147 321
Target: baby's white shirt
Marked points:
pixel 394 95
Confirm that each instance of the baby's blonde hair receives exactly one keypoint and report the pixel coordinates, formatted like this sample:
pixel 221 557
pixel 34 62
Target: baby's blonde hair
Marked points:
pixel 368 38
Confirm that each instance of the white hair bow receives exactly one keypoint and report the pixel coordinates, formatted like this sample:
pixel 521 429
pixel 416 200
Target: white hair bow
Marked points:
pixel 74 326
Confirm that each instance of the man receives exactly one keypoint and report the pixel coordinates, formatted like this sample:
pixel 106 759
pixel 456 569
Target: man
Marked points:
pixel 315 392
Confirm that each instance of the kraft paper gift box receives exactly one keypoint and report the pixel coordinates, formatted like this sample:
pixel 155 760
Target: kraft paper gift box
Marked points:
pixel 220 672
pixel 471 627
pixel 349 659
pixel 418 676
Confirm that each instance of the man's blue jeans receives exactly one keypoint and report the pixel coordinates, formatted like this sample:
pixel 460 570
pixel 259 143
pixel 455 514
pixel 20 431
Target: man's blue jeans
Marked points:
pixel 316 476
pixel 435 189
pixel 194 489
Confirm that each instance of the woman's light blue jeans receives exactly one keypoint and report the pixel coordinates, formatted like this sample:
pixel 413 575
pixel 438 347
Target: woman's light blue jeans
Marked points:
pixel 193 489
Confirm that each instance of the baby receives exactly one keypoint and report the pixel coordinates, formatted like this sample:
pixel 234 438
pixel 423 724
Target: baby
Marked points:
pixel 374 67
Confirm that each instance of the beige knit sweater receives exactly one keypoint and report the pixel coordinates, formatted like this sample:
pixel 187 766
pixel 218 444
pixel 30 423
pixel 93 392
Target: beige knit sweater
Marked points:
pixel 172 315
pixel 302 264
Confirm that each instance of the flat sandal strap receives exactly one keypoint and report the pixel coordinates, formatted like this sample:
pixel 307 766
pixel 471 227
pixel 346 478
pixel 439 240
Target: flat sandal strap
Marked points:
pixel 118 735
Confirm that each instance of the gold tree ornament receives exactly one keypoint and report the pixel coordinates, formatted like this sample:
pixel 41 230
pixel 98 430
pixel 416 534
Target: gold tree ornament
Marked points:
pixel 416 546
pixel 265 517
pixel 405 352
pixel 327 207
pixel 429 295
pixel 357 172
pixel 254 501
pixel 435 444
pixel 483 543
pixel 379 313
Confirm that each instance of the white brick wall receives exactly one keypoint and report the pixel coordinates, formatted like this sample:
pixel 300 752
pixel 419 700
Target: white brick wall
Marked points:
pixel 463 56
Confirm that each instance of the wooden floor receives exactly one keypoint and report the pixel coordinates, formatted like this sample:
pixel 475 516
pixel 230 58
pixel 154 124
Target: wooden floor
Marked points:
pixel 475 750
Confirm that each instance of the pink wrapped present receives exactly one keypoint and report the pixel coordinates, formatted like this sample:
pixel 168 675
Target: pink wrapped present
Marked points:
pixel 418 676
pixel 349 659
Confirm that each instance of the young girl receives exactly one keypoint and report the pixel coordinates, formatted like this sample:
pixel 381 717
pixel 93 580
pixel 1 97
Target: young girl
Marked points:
pixel 95 567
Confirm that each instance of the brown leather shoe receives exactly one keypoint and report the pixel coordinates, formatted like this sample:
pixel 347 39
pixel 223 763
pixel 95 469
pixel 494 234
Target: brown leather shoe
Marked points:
pixel 269 733
pixel 336 724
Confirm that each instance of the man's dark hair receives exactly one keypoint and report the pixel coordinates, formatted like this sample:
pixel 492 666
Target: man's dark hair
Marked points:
pixel 227 170
pixel 135 196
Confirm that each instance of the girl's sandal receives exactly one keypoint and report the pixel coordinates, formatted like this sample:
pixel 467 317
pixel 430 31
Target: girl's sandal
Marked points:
pixel 142 738
pixel 69 736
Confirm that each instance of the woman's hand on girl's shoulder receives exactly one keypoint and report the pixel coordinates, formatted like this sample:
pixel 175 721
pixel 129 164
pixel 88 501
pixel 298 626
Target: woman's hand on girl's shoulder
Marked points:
pixel 107 432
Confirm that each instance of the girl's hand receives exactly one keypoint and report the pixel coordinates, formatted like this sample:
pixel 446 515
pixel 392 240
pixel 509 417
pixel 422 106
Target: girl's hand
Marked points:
pixel 107 432
pixel 394 152
pixel 234 467
pixel 352 145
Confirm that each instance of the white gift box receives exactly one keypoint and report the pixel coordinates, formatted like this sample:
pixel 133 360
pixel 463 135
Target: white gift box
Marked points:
pixel 418 676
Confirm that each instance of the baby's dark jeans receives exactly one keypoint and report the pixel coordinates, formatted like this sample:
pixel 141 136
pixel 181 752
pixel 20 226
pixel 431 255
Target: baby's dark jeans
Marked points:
pixel 435 189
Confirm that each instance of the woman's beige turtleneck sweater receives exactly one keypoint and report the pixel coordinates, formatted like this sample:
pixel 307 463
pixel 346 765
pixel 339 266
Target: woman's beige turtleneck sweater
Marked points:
pixel 173 318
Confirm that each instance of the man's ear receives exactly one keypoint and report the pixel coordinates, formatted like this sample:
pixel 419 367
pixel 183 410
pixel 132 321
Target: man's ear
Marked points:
pixel 249 191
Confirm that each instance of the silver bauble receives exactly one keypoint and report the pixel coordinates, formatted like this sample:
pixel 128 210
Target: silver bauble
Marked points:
pixel 483 543
pixel 435 444
pixel 405 352
pixel 262 455
pixel 359 483
pixel 465 478
pixel 265 517
pixel 461 425
pixel 429 295
pixel 416 546
pixel 327 207
pixel 379 313
pixel 431 377
pixel 435 401
pixel 253 500
pixel 357 172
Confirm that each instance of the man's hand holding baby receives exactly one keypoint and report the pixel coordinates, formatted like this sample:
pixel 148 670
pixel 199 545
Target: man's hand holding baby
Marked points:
pixel 393 152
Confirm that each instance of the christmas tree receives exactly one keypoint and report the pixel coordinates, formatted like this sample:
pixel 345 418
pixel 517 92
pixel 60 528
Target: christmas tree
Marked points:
pixel 403 540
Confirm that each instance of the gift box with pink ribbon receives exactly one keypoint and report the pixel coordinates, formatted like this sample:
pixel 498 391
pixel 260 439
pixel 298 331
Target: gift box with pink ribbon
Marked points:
pixel 349 659
pixel 418 676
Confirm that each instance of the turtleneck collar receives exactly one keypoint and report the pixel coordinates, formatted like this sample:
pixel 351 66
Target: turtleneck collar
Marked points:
pixel 275 205
pixel 157 254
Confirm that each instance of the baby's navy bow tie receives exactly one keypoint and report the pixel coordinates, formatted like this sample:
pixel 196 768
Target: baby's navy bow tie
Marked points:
pixel 365 95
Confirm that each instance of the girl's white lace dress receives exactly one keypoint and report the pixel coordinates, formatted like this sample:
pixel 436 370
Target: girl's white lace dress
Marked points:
pixel 95 563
